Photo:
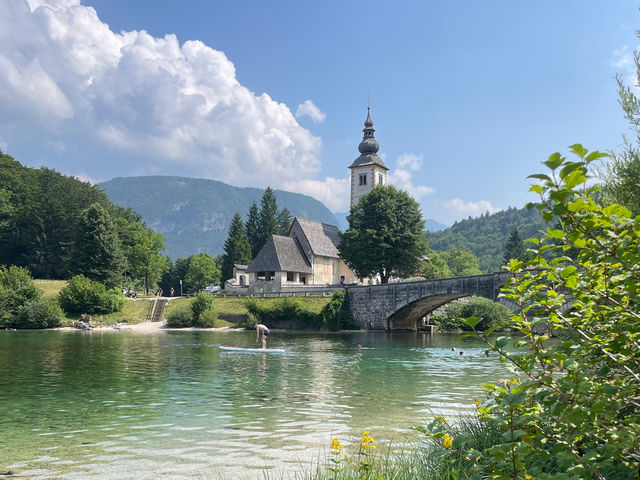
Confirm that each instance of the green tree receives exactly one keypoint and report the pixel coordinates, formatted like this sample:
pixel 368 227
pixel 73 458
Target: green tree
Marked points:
pixel 268 217
pixel 461 261
pixel 434 266
pixel 385 235
pixel 622 173
pixel 97 253
pixel 202 271
pixel 16 289
pixel 141 247
pixel 284 222
pixel 514 248
pixel 252 229
pixel 236 247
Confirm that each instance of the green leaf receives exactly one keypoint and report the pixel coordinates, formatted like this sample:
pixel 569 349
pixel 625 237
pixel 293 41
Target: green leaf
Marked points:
pixel 554 161
pixel 578 149
pixel 540 176
pixel 472 321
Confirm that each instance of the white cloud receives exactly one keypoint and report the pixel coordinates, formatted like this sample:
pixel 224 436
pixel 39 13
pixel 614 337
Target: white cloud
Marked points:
pixel 86 178
pixel 624 63
pixel 310 109
pixel 402 176
pixel 133 104
pixel 472 209
pixel 410 161
pixel 3 145
pixel 333 192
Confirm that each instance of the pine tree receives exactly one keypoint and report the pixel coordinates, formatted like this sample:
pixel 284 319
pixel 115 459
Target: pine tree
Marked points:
pixel 251 228
pixel 236 247
pixel 514 248
pixel 97 253
pixel 268 218
pixel 284 222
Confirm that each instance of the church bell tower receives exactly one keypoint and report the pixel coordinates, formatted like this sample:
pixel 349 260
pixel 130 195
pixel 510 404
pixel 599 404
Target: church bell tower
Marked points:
pixel 368 170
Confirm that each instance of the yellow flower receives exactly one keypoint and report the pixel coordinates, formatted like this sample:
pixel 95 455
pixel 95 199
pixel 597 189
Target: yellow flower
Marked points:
pixel 477 403
pixel 367 442
pixel 527 476
pixel 447 441
pixel 336 447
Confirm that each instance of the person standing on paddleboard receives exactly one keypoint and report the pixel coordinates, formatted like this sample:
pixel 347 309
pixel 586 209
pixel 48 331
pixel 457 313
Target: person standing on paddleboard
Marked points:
pixel 265 332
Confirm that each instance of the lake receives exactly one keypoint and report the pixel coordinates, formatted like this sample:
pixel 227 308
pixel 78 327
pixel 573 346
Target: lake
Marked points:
pixel 170 404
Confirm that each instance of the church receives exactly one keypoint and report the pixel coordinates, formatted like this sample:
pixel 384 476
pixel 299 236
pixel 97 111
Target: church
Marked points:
pixel 307 258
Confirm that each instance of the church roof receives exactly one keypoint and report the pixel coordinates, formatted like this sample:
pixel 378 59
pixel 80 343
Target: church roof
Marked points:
pixel 368 147
pixel 323 238
pixel 280 254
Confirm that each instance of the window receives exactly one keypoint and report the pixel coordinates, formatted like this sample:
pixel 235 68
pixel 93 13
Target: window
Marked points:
pixel 363 179
pixel 380 179
pixel 289 276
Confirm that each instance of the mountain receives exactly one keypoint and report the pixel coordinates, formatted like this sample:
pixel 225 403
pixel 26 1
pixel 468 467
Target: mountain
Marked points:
pixel 341 217
pixel 431 224
pixel 434 225
pixel 194 214
pixel 487 235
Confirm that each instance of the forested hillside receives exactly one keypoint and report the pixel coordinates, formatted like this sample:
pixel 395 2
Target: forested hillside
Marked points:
pixel 44 226
pixel 487 235
pixel 194 214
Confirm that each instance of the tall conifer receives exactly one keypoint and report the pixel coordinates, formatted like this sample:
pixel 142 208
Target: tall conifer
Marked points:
pixel 268 218
pixel 236 247
pixel 251 228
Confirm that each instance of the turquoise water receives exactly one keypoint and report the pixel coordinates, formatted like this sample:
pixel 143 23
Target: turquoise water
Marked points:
pixel 170 404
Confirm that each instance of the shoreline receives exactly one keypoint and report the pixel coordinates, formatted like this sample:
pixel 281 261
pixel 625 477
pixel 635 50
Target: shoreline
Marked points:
pixel 148 327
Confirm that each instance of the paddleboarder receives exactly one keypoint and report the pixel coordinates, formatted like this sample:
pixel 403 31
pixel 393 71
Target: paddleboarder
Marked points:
pixel 265 332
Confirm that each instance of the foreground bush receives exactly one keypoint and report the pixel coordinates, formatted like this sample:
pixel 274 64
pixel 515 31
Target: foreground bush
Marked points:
pixel 180 317
pixel 573 410
pixel 39 313
pixel 82 295
pixel 17 288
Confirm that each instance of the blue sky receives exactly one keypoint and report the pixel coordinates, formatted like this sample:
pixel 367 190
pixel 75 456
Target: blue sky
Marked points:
pixel 467 97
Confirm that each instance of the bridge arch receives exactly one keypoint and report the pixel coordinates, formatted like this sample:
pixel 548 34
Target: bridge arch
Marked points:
pixel 398 306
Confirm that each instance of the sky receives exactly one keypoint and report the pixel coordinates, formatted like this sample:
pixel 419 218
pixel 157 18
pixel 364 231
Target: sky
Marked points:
pixel 467 97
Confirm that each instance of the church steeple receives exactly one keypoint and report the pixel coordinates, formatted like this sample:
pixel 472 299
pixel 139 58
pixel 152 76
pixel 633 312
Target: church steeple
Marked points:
pixel 368 144
pixel 368 170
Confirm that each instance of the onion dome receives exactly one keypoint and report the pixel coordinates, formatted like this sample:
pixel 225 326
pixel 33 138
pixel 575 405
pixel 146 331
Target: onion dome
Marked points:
pixel 368 147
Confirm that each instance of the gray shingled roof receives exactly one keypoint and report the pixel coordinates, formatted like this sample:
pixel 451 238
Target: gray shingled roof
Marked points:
pixel 368 159
pixel 322 238
pixel 280 254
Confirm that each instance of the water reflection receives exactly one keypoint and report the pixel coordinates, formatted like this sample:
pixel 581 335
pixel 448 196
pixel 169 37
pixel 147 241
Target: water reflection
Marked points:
pixel 103 405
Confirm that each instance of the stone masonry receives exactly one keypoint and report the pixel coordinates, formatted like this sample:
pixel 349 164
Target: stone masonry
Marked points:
pixel 400 306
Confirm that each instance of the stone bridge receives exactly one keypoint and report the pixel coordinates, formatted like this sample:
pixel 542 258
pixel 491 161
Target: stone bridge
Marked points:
pixel 401 306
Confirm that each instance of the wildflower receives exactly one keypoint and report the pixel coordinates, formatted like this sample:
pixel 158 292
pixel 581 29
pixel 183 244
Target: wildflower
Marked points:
pixel 447 441
pixel 477 402
pixel 336 447
pixel 367 442
pixel 527 476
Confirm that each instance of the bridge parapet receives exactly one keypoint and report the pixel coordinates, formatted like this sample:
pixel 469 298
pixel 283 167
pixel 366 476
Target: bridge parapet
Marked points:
pixel 396 306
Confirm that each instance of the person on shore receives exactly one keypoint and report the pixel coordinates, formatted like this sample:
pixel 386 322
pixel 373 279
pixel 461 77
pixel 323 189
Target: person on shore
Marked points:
pixel 265 332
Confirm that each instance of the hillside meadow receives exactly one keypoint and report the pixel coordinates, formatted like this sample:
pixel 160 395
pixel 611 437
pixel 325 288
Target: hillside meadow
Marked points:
pixel 136 311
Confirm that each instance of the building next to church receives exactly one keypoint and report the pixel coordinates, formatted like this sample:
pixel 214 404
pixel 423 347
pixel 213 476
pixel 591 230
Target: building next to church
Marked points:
pixel 307 258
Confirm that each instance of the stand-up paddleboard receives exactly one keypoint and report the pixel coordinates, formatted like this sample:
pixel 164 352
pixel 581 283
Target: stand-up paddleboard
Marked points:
pixel 251 350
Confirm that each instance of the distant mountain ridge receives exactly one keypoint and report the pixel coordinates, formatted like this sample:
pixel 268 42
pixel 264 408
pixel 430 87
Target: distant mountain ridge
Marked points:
pixel 194 214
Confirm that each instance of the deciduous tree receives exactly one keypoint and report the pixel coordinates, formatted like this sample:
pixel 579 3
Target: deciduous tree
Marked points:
pixel 97 253
pixel 385 235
